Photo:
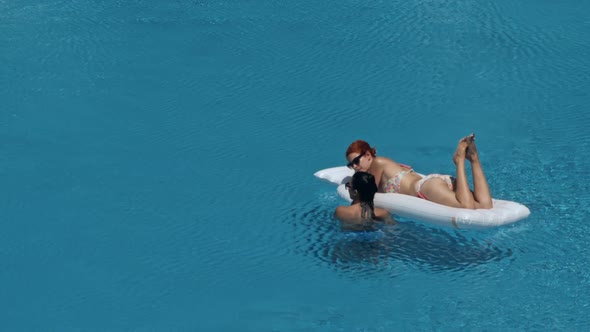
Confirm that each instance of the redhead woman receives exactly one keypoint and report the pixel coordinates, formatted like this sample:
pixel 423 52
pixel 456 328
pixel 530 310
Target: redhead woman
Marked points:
pixel 361 215
pixel 392 177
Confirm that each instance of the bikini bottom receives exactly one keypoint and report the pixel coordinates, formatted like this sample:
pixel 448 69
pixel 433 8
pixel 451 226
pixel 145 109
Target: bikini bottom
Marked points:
pixel 449 180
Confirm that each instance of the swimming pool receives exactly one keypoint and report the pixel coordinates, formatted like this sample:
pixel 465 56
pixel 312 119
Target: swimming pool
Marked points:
pixel 158 162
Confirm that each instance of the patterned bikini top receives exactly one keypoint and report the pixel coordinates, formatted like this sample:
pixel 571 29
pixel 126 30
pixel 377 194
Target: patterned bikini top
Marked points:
pixel 393 184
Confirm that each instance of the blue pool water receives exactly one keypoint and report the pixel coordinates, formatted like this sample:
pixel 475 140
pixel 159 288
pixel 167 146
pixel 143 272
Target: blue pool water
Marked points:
pixel 157 161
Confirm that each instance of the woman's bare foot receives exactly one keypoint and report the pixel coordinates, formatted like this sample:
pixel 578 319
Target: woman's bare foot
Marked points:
pixel 471 151
pixel 469 138
pixel 459 155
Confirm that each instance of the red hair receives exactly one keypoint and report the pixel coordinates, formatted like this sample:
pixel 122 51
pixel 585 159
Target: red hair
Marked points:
pixel 360 146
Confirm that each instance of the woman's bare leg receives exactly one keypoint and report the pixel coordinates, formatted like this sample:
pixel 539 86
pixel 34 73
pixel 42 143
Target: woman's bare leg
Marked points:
pixel 462 191
pixel 437 190
pixel 481 190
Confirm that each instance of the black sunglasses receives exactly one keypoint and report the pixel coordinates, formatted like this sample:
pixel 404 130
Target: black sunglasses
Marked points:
pixel 356 160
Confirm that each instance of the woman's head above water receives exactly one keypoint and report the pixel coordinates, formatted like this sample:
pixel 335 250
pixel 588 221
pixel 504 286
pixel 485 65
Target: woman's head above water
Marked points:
pixel 362 187
pixel 360 155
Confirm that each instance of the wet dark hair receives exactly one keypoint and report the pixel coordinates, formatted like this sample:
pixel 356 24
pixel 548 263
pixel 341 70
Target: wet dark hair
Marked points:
pixel 364 184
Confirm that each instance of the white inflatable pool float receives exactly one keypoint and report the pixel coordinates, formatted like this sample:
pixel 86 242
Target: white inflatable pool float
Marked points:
pixel 503 212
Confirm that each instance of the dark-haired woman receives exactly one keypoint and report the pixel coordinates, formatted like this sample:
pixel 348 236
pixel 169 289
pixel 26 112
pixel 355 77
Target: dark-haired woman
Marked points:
pixel 392 177
pixel 361 215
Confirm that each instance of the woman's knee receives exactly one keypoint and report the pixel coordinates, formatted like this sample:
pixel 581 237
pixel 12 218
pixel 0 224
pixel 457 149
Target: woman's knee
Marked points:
pixel 468 204
pixel 484 205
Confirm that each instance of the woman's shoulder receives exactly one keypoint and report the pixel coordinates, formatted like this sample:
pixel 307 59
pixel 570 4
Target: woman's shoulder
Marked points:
pixel 384 216
pixel 389 167
pixel 345 212
pixel 386 162
pixel 342 209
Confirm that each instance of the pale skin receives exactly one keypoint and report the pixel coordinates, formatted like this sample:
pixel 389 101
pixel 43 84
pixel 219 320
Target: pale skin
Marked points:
pixel 351 219
pixel 435 189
